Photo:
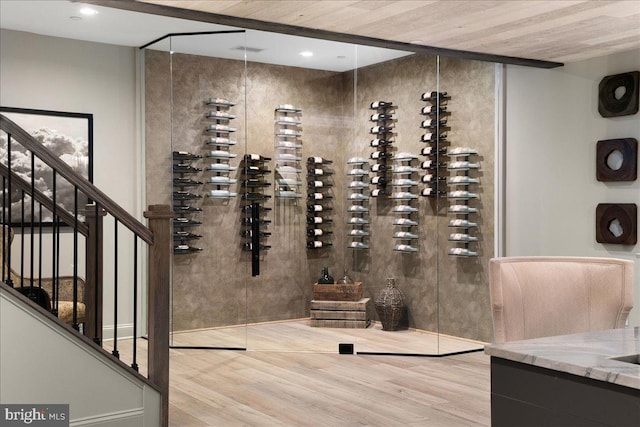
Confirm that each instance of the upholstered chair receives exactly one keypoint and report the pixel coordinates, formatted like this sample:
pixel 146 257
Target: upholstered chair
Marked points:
pixel 65 288
pixel 534 297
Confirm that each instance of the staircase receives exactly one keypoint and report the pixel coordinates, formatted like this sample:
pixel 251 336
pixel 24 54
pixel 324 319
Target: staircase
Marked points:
pixel 52 214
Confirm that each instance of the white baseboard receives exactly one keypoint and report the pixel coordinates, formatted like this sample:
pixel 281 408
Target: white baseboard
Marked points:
pixel 125 330
pixel 129 417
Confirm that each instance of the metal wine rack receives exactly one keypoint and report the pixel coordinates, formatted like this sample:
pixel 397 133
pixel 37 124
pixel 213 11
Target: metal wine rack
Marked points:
pixel 382 142
pixel 219 131
pixel 254 185
pixel 184 196
pixel 288 146
pixel 404 182
pixel 461 199
pixel 319 204
pixel 358 199
pixel 435 128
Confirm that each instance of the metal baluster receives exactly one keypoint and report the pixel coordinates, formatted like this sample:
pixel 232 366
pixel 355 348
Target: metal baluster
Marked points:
pixel 22 240
pixel 55 286
pixel 134 365
pixel 4 228
pixel 115 290
pixel 8 252
pixel 40 248
pixel 75 259
pixel 32 237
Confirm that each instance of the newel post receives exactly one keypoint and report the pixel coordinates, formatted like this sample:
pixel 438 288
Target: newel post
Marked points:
pixel 159 275
pixel 94 272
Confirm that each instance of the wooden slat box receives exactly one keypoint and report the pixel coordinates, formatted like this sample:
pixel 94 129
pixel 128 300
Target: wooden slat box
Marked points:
pixel 342 292
pixel 340 314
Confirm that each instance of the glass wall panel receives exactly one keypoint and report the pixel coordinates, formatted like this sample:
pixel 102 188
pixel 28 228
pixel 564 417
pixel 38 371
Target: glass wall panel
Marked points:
pixel 346 155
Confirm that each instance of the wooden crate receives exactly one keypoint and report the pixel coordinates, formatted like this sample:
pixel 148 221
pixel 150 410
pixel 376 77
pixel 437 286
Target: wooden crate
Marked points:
pixel 340 314
pixel 335 292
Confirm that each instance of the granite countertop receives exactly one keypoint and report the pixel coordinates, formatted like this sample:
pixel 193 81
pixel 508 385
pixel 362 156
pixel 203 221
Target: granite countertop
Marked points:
pixel 587 354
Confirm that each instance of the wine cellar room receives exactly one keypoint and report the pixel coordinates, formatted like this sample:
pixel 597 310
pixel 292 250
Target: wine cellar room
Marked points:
pixel 287 158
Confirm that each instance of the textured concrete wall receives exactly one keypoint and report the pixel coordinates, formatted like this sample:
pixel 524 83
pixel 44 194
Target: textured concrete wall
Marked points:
pixel 211 288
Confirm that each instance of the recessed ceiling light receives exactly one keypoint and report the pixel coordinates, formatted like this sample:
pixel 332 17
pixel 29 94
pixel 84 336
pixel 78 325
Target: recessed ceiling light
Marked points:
pixel 87 11
pixel 306 54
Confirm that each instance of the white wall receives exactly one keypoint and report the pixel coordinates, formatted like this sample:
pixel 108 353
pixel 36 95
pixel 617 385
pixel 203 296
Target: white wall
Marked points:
pixel 48 365
pixel 552 126
pixel 58 74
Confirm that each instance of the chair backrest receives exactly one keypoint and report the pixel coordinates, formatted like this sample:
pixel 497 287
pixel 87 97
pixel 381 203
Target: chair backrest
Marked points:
pixel 534 297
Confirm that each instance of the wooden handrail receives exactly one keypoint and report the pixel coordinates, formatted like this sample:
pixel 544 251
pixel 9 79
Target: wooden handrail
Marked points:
pixel 83 184
pixel 38 195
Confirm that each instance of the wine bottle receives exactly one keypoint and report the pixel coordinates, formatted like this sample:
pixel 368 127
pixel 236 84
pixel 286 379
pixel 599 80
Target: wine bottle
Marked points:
pixel 185 155
pixel 220 128
pixel 185 222
pixel 462 252
pixel 318 244
pixel 463 165
pixel 255 183
pixel 187 209
pixel 358 245
pixel 379 192
pixel 358 209
pixel 185 249
pixel 462 209
pixel 433 136
pixel 357 196
pixel 249 233
pixel 357 220
pixel 432 151
pixel 249 221
pixel 381 129
pixel 185 235
pixel 462 223
pixel 432 164
pixel 432 192
pixel 358 184
pixel 325 278
pixel 315 184
pixel 318 208
pixel 433 123
pixel 219 140
pixel 380 104
pixel 256 170
pixel 405 248
pixel 380 116
pixel 405 222
pixel 221 194
pixel 433 109
pixel 256 158
pixel 249 247
pixel 185 168
pixel 462 195
pixel 381 155
pixel 185 195
pixel 462 237
pixel 220 180
pixel 358 233
pixel 405 169
pixel 221 102
pixel 404 156
pixel 404 209
pixel 358 172
pixel 433 178
pixel 380 142
pixel 405 183
pixel 318 220
pixel 405 235
pixel 247 208
pixel 319 196
pixel 463 180
pixel 318 161
pixel 379 180
pixel 380 168
pixel 220 115
pixel 316 232
pixel 319 172
pixel 427 96
pixel 250 195
pixel 220 167
pixel 185 182
pixel 220 154
pixel 463 151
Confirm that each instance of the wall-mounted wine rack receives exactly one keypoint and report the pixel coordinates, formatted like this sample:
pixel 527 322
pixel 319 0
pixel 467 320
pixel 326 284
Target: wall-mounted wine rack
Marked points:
pixel 435 139
pixel 460 199
pixel 255 168
pixel 319 206
pixel 288 146
pixel 184 195
pixel 218 144
pixel 404 183
pixel 383 139
pixel 358 199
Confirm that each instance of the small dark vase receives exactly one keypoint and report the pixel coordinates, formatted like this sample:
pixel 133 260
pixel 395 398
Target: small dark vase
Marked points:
pixel 390 306
pixel 325 278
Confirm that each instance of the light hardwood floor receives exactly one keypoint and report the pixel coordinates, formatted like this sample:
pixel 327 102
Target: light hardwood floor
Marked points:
pixel 309 388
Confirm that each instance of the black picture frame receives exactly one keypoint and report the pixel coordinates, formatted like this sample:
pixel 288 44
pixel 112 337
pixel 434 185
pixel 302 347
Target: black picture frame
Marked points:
pixel 70 136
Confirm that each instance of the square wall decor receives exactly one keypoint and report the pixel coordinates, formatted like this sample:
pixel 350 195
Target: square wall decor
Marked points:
pixel 617 159
pixel 617 223
pixel 618 94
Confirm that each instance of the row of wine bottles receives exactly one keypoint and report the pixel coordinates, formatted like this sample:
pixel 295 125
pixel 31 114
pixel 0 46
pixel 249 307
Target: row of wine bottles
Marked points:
pixel 384 119
pixel 318 203
pixel 288 143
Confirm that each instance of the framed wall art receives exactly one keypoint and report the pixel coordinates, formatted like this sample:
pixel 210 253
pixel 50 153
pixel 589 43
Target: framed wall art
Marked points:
pixel 70 137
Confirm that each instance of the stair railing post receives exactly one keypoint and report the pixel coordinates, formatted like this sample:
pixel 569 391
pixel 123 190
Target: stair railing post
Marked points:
pixel 94 272
pixel 159 276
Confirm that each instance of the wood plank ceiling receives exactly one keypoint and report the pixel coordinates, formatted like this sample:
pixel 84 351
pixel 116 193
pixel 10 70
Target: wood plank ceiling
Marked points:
pixel 551 30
